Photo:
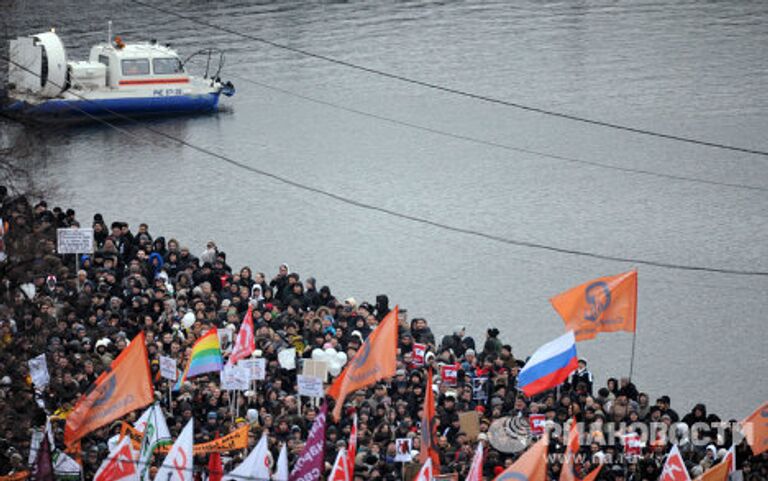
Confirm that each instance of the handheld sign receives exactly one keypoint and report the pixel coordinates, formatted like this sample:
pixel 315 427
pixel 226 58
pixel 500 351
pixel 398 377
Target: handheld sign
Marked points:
pixel 310 386
pixel 536 423
pixel 168 368
pixel 419 351
pixel 74 241
pixel 403 450
pixel 235 378
pixel 256 368
pixel 449 374
pixel 38 371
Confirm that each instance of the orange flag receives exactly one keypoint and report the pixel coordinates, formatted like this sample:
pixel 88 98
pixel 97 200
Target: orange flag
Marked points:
pixel 718 472
pixel 124 387
pixel 375 360
pixel 606 304
pixel 755 428
pixel 428 441
pixel 532 465
pixel 572 447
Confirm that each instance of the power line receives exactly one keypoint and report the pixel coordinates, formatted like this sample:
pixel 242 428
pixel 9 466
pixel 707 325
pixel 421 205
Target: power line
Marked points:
pixel 490 143
pixel 463 93
pixel 394 213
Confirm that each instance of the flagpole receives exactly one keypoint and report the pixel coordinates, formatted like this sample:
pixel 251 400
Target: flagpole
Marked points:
pixel 632 359
pixel 634 338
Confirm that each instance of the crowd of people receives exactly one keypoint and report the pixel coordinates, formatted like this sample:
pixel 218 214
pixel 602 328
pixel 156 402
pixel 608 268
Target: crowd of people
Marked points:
pixel 82 318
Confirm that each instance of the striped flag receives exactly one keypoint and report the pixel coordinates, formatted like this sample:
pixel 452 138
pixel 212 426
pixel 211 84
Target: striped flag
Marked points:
pixel 205 358
pixel 549 366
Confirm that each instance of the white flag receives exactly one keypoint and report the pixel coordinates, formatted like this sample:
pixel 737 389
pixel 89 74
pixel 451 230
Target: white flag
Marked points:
pixel 152 424
pixel 119 465
pixel 253 468
pixel 177 465
pixel 64 467
pixel 476 469
pixel 38 371
pixel 282 465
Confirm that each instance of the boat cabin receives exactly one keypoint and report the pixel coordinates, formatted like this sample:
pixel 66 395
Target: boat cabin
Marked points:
pixel 138 64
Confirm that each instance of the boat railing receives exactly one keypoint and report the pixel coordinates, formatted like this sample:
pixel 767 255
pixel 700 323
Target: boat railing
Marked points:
pixel 212 55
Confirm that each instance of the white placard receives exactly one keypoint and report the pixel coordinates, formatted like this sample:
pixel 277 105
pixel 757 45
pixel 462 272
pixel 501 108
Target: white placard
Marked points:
pixel 256 367
pixel 310 386
pixel 168 368
pixel 287 358
pixel 235 378
pixel 74 241
pixel 38 371
pixel 403 450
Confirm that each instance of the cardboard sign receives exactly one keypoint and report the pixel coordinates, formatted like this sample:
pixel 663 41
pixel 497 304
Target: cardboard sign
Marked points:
pixel 38 371
pixel 449 374
pixel 74 241
pixel 469 422
pixel 403 450
pixel 419 351
pixel 310 386
pixel 479 392
pixel 257 368
pixel 633 444
pixel 536 423
pixel 235 378
pixel 168 368
pixel 315 368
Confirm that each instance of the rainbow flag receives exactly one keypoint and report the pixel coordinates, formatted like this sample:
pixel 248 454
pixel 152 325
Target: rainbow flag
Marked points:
pixel 206 357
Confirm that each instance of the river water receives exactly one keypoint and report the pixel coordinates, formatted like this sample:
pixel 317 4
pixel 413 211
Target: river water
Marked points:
pixel 695 69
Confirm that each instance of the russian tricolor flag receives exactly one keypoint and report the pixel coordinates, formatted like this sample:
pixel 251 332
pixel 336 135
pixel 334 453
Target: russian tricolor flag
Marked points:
pixel 549 366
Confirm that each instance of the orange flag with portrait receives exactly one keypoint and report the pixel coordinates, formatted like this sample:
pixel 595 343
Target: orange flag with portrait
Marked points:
pixel 124 387
pixel 532 465
pixel 375 360
pixel 606 304
pixel 755 428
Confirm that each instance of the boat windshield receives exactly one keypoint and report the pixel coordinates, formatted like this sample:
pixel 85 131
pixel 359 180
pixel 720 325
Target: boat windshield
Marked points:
pixel 135 66
pixel 163 66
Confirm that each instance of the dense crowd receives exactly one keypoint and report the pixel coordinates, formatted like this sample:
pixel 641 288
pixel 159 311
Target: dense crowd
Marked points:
pixel 136 281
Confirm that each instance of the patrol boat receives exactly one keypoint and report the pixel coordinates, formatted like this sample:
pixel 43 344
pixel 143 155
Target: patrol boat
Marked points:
pixel 119 79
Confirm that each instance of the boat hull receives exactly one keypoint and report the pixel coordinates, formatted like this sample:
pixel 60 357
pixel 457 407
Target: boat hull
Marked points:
pixel 67 109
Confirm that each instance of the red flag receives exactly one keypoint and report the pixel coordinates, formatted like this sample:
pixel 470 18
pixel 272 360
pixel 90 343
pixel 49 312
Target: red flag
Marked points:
pixel 376 360
pixel 592 476
pixel 340 471
pixel 606 304
pixel 674 468
pixel 245 342
pixel 215 467
pixel 124 387
pixel 352 447
pixel 428 439
pixel 531 466
pixel 755 428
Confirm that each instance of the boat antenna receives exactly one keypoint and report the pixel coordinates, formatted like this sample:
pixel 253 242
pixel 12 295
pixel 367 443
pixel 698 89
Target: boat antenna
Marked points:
pixel 109 32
